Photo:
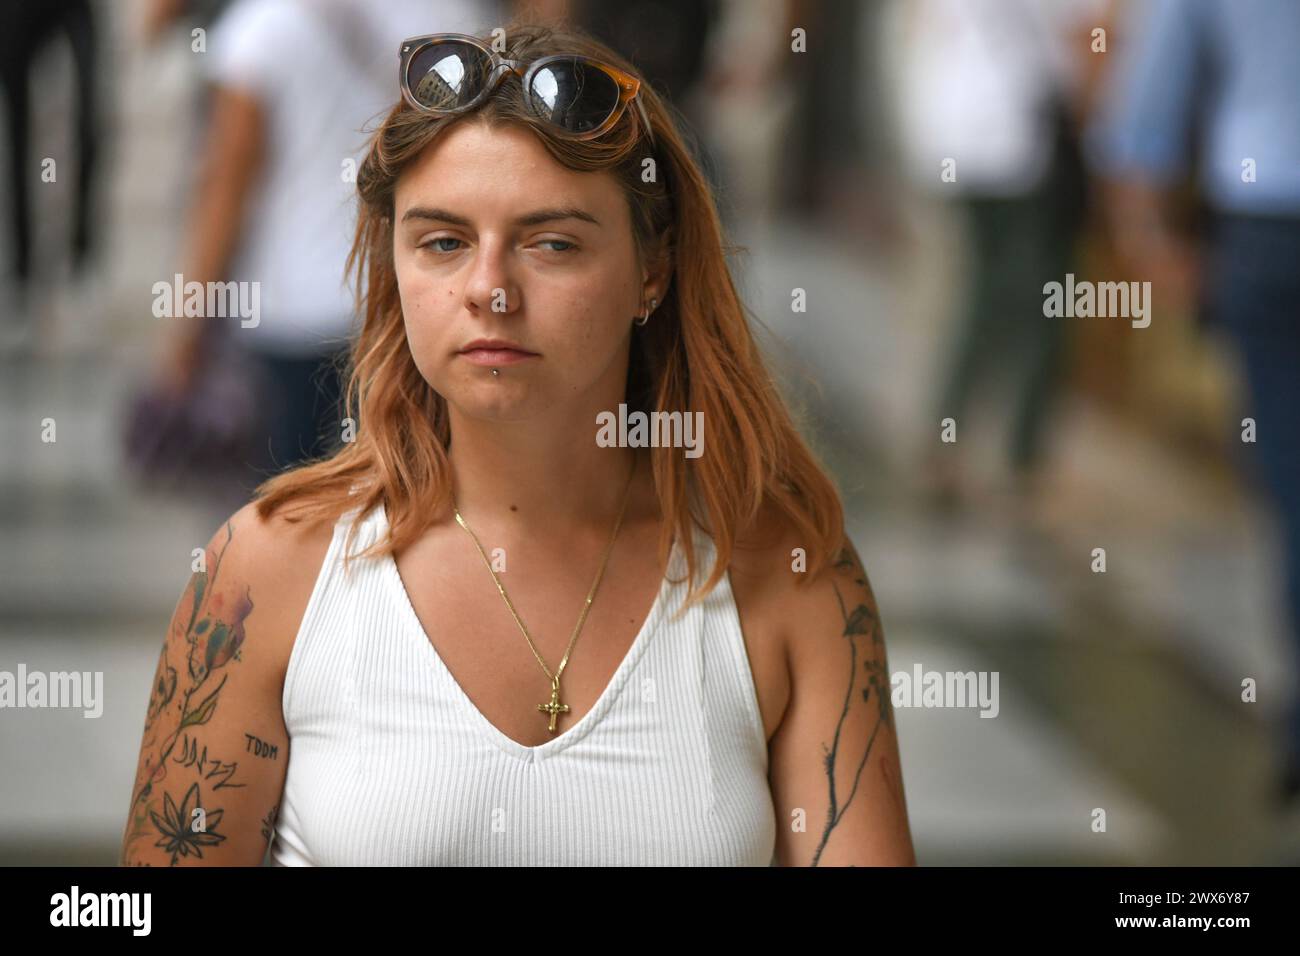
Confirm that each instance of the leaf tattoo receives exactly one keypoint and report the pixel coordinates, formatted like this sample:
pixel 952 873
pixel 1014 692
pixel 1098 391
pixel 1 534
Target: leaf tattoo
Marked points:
pixel 178 837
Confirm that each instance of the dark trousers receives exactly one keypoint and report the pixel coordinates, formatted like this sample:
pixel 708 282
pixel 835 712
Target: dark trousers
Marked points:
pixel 25 28
pixel 1017 245
pixel 301 399
pixel 1254 296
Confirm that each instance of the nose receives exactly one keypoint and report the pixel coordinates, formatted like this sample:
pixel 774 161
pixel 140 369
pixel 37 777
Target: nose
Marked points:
pixel 490 287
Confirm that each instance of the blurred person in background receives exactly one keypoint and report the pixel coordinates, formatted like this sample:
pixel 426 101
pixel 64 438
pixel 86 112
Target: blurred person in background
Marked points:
pixel 26 29
pixel 992 94
pixel 1215 85
pixel 294 82
pixel 667 40
pixel 830 140
pixel 159 15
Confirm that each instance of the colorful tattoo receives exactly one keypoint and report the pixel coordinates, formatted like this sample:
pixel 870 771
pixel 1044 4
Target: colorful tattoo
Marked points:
pixel 188 692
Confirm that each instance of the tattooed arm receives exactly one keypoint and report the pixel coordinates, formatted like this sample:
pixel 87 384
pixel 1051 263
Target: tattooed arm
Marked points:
pixel 215 750
pixel 834 761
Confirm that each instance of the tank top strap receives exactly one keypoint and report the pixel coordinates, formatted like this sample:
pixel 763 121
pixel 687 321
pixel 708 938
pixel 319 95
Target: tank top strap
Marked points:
pixel 705 550
pixel 369 528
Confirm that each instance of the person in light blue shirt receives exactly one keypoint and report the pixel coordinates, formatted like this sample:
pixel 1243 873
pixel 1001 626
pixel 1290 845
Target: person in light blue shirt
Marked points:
pixel 1214 86
pixel 1218 78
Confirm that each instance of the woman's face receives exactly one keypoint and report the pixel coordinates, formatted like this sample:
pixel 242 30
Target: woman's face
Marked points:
pixel 494 239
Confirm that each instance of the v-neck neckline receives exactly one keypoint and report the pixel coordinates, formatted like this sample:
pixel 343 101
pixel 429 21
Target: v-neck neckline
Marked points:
pixel 588 721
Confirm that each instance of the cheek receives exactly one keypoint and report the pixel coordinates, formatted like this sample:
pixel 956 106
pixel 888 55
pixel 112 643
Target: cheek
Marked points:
pixel 586 325
pixel 598 306
pixel 424 303
pixel 426 318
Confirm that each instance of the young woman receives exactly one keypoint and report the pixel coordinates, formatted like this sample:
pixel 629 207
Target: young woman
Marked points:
pixel 476 634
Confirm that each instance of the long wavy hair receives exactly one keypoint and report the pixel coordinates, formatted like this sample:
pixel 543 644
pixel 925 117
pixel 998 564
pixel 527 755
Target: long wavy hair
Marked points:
pixel 697 354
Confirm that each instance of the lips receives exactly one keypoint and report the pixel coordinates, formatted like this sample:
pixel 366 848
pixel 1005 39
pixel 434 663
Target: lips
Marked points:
pixel 495 352
pixel 498 344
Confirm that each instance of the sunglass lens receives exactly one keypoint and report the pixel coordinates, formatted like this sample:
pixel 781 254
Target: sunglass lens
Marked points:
pixel 447 75
pixel 574 95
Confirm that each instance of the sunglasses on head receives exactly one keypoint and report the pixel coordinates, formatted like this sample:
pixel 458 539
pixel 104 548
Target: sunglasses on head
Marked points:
pixel 450 73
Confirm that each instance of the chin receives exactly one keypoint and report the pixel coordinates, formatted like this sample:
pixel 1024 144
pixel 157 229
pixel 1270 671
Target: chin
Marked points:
pixel 496 400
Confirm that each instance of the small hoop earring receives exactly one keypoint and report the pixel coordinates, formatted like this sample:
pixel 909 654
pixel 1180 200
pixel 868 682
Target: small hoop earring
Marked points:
pixel 645 317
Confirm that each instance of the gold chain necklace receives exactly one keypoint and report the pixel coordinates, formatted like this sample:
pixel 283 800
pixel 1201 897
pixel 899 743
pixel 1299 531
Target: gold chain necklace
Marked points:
pixel 554 707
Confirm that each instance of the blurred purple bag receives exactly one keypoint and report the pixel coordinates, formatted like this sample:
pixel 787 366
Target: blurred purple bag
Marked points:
pixel 208 436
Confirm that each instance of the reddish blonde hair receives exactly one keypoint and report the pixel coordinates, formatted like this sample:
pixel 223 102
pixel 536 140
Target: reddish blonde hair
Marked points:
pixel 698 352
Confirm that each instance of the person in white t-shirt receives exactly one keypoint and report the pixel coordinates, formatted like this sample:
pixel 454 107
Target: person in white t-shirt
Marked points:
pixel 295 84
pixel 991 92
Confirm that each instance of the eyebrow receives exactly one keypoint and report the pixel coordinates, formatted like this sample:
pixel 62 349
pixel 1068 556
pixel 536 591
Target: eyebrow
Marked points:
pixel 535 218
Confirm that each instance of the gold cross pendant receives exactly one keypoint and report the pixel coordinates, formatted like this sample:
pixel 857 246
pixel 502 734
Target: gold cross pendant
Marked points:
pixel 554 707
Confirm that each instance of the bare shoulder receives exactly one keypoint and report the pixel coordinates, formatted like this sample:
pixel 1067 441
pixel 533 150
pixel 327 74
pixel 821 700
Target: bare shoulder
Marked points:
pixel 769 581
pixel 775 572
pixel 259 573
pixel 280 559
pixel 806 605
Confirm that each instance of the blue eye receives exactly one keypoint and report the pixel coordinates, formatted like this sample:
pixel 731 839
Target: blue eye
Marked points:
pixel 432 243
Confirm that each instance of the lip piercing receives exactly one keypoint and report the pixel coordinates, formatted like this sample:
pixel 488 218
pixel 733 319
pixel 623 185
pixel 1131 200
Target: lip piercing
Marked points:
pixel 495 372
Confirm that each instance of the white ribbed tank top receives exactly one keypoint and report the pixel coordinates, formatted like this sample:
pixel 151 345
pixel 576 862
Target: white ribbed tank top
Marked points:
pixel 390 763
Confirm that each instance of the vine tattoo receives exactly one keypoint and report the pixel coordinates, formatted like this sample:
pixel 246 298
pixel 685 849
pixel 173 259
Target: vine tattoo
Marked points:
pixel 167 805
pixel 869 682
